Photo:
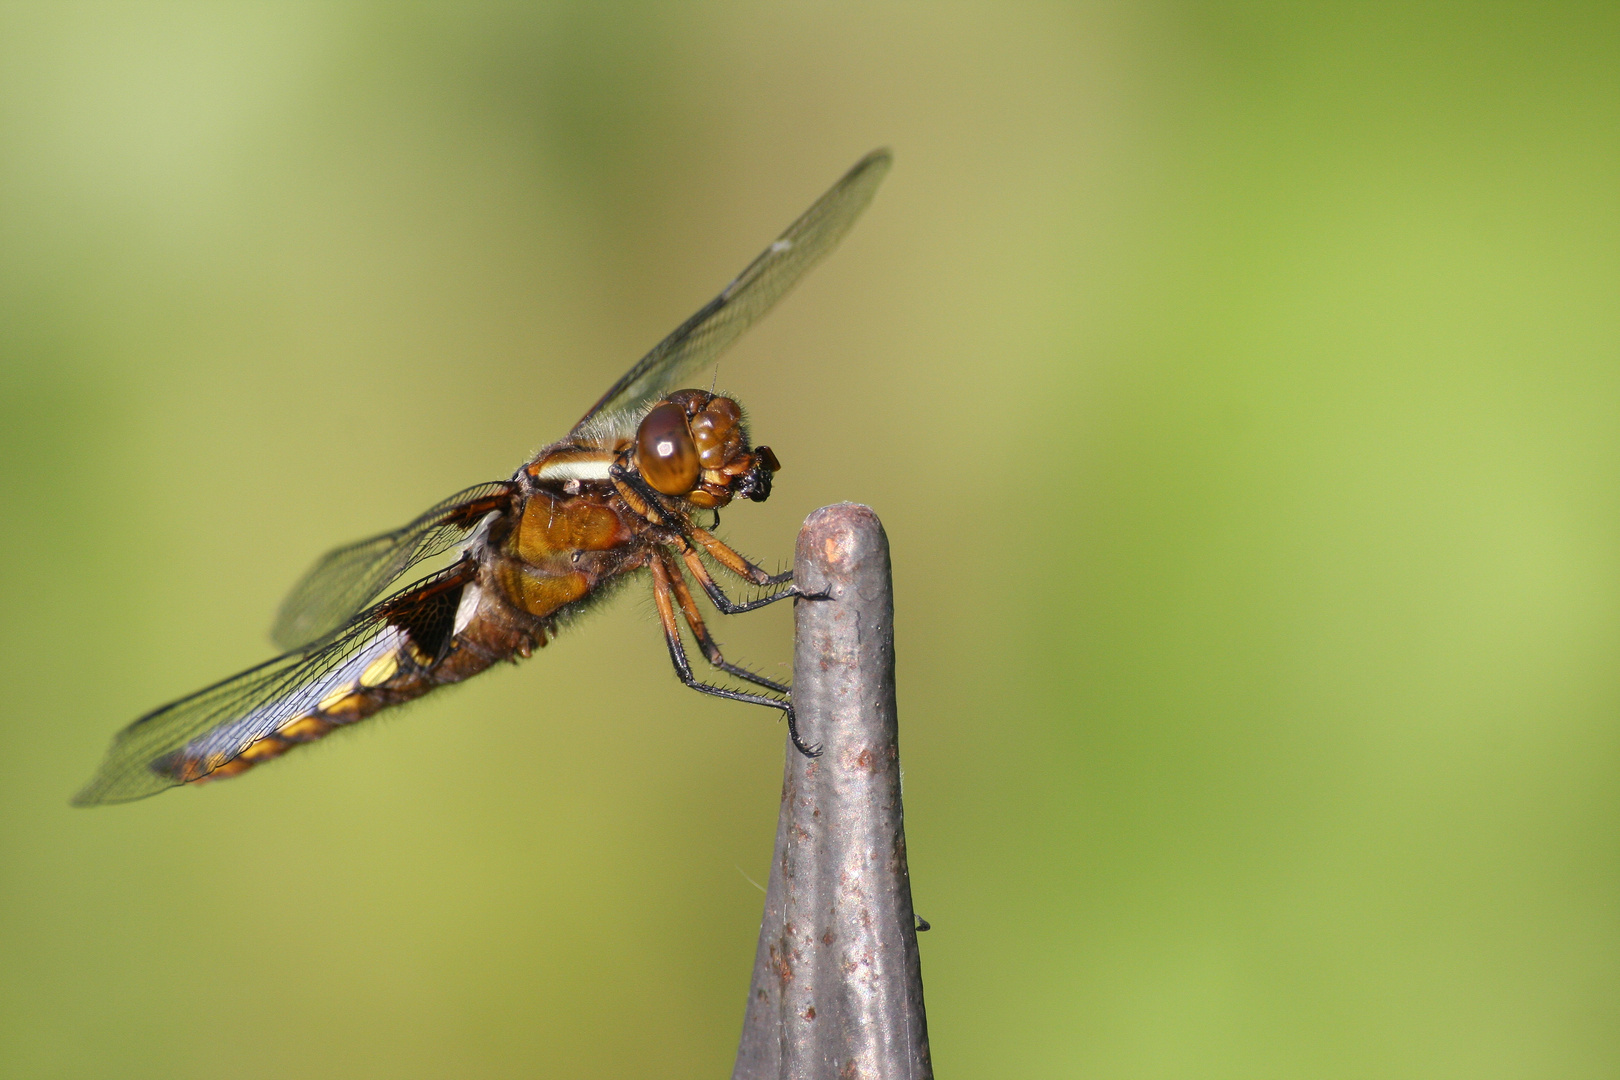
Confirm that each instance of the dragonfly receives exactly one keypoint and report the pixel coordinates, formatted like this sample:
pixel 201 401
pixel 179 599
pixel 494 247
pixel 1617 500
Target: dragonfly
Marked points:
pixel 621 494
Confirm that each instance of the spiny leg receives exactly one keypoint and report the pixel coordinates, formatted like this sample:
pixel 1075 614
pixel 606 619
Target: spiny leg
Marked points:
pixel 645 501
pixel 724 603
pixel 711 649
pixel 732 560
pixel 677 655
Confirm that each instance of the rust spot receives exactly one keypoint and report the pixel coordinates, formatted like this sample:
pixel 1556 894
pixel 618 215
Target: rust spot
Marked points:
pixel 848 1072
pixel 897 857
pixel 784 970
pixel 870 759
pixel 835 550
pixel 828 938
pixel 810 1013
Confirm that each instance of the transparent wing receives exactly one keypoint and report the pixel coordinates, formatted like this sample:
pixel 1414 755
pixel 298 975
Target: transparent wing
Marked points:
pixel 701 338
pixel 186 740
pixel 346 579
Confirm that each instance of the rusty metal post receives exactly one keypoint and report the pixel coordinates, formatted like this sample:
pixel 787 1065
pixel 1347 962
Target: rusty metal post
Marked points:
pixel 837 986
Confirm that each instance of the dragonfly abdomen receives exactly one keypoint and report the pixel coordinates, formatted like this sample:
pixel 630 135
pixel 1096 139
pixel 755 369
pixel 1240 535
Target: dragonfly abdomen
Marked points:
pixel 391 670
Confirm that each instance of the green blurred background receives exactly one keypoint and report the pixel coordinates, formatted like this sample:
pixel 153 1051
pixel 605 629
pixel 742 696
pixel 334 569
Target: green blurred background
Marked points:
pixel 1239 386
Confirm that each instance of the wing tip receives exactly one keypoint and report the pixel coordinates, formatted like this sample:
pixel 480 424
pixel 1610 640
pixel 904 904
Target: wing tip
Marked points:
pixel 288 636
pixel 876 164
pixel 882 154
pixel 99 792
pixel 109 789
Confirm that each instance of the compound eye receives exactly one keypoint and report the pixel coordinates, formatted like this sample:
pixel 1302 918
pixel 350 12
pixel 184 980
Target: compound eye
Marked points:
pixel 665 452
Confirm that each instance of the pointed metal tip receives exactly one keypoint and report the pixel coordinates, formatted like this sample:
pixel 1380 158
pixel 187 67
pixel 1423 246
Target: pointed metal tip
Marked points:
pixel 837 987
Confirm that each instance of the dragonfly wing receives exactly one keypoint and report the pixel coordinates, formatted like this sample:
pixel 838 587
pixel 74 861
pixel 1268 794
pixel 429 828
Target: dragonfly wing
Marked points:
pixel 346 579
pixel 297 697
pixel 767 279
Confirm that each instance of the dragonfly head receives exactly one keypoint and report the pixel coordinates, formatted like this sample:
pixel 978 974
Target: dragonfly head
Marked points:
pixel 693 445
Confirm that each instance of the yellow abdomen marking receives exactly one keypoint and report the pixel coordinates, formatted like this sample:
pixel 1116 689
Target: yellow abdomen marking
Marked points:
pixel 380 670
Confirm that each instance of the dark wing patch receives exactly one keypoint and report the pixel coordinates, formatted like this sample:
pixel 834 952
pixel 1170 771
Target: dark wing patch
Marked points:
pixel 191 738
pixel 346 579
pixel 766 280
pixel 427 615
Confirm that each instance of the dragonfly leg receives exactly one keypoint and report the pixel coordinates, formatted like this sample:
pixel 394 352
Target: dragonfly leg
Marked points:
pixel 637 495
pixel 728 557
pixel 646 502
pixel 664 599
pixel 725 604
pixel 711 648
